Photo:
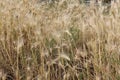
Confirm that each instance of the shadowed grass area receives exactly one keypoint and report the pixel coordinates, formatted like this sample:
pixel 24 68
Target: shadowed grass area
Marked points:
pixel 61 41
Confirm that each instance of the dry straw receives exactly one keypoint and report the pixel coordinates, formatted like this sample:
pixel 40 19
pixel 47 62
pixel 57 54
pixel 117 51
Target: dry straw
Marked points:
pixel 63 40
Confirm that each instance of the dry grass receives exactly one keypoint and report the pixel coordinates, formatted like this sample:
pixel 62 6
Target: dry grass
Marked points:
pixel 60 41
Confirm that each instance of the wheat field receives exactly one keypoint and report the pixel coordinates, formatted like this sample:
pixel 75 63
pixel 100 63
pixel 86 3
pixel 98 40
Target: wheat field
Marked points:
pixel 63 40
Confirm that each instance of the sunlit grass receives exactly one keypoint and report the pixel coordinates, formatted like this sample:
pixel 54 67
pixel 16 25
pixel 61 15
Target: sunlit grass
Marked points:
pixel 59 41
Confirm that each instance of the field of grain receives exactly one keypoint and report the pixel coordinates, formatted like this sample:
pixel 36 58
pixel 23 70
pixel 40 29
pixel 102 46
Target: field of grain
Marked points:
pixel 59 41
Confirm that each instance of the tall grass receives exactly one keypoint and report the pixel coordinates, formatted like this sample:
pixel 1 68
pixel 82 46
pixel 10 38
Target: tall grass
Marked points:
pixel 61 41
